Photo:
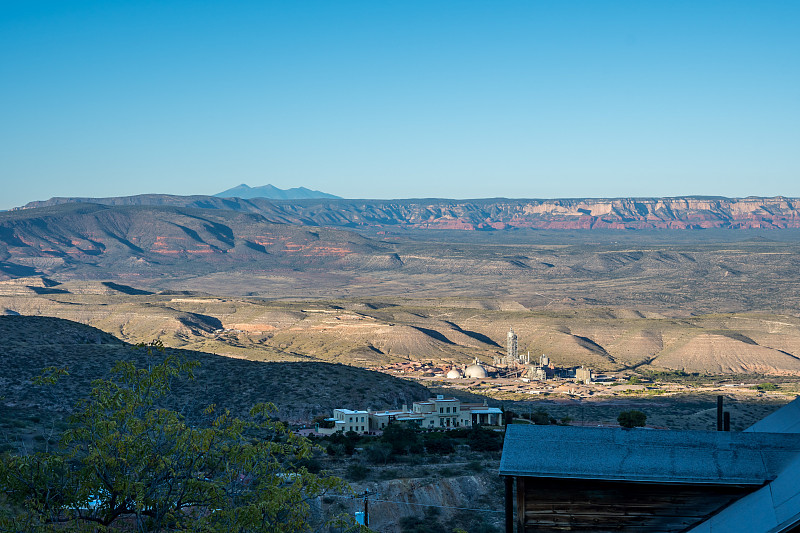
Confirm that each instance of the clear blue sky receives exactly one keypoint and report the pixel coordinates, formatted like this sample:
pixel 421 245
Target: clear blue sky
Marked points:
pixel 381 99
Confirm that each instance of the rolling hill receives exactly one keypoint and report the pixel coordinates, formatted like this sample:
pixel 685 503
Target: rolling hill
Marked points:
pixel 224 252
pixel 373 333
pixel 130 242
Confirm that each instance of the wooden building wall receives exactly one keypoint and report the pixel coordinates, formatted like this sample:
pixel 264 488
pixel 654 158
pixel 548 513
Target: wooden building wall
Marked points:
pixel 556 505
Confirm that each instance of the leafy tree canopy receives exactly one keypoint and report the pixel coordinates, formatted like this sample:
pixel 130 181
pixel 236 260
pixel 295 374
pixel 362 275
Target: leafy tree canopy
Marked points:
pixel 403 437
pixel 632 419
pixel 765 386
pixel 128 464
pixel 540 417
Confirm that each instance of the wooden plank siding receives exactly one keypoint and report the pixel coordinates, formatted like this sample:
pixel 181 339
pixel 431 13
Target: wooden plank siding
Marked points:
pixel 555 505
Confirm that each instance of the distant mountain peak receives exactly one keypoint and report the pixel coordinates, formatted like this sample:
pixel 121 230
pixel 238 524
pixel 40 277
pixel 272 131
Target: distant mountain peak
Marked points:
pixel 271 192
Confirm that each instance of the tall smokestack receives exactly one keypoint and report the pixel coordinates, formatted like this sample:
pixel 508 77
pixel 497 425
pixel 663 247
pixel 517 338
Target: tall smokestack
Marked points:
pixel 719 413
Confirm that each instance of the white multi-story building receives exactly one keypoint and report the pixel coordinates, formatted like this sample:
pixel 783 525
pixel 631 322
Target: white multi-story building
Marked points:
pixel 434 413
pixel 345 420
pixel 441 412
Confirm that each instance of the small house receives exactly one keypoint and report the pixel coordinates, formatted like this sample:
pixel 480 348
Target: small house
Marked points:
pixel 564 478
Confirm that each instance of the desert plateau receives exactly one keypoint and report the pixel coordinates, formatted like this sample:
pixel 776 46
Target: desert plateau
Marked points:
pixel 490 267
pixel 314 315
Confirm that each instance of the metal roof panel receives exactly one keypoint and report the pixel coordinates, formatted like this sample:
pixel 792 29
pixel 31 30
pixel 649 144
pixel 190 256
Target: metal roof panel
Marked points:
pixel 699 457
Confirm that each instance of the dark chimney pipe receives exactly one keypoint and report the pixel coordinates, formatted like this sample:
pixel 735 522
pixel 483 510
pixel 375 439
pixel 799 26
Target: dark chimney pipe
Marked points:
pixel 719 413
pixel 727 420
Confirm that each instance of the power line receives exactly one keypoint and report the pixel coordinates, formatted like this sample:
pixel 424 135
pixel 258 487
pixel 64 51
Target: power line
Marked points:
pixel 439 506
pixel 421 504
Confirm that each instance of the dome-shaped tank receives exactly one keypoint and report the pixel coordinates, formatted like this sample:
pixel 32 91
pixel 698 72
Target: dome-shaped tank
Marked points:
pixel 454 374
pixel 476 370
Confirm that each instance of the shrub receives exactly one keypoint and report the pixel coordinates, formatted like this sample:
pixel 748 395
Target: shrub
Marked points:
pixel 540 417
pixel 357 472
pixel 475 466
pixel 449 471
pixel 439 443
pixel 380 452
pixel 403 438
pixel 484 440
pixel 428 524
pixel 388 473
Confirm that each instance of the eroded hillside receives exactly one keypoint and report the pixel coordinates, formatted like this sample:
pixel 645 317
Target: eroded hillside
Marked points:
pixel 87 240
pixel 371 333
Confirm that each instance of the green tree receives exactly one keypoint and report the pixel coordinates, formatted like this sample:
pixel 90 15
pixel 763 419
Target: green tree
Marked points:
pixel 766 386
pixel 540 417
pixel 343 443
pixel 403 437
pixel 439 443
pixel 323 422
pixel 632 419
pixel 128 464
pixel 380 452
pixel 481 439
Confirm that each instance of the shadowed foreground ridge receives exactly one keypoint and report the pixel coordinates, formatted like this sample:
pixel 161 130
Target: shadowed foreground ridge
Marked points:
pixel 299 390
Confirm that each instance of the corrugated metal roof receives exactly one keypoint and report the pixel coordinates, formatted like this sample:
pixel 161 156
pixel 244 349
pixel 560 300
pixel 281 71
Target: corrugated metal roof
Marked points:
pixel 784 420
pixel 775 507
pixel 696 457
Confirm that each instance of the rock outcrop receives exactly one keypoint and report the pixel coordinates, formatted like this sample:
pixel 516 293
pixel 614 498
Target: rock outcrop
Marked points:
pixel 476 499
pixel 688 212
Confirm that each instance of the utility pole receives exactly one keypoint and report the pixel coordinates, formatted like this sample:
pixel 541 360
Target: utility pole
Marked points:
pixel 366 508
pixel 363 517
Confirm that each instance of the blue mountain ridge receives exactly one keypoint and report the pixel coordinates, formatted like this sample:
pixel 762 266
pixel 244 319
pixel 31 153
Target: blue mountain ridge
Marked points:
pixel 271 192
